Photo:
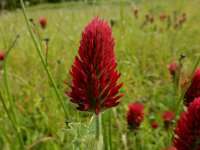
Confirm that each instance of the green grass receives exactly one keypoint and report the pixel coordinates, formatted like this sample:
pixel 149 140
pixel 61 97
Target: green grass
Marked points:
pixel 142 56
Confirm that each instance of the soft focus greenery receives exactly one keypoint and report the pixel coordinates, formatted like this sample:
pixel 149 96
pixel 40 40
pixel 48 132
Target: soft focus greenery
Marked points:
pixel 142 55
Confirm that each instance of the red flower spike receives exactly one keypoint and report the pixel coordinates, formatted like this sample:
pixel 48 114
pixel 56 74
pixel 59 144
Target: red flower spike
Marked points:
pixel 94 77
pixel 167 117
pixel 135 115
pixel 162 16
pixel 2 55
pixel 136 10
pixel 187 131
pixel 194 89
pixel 43 22
pixel 154 125
pixel 173 68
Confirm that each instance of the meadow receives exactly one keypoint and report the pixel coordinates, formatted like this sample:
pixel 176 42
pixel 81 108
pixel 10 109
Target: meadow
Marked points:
pixel 143 53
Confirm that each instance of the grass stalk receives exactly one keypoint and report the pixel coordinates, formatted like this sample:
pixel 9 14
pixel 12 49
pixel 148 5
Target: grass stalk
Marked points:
pixel 98 131
pixel 13 119
pixel 109 130
pixel 186 87
pixel 39 51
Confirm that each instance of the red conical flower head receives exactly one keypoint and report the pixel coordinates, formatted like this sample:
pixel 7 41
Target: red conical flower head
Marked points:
pixel 2 55
pixel 162 16
pixel 187 131
pixel 43 22
pixel 167 117
pixel 135 115
pixel 194 89
pixel 94 76
pixel 173 68
pixel 154 124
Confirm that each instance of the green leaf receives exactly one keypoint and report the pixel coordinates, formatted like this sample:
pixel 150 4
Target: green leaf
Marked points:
pixel 91 127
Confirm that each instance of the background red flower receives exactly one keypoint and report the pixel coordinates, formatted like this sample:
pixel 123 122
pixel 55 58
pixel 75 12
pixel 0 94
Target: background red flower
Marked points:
pixel 135 115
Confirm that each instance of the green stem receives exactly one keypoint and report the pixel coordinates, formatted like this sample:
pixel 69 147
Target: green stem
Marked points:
pixel 39 51
pixel 186 87
pixel 98 130
pixel 104 127
pixel 3 35
pixel 12 107
pixel 109 129
pixel 10 118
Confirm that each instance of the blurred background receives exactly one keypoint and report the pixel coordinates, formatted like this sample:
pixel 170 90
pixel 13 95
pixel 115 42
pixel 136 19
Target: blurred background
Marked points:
pixel 13 4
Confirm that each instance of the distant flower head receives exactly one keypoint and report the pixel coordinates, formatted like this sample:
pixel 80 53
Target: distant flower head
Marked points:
pixel 162 16
pixel 2 55
pixel 187 131
pixel 167 117
pixel 43 22
pixel 136 11
pixel 154 124
pixel 151 19
pixel 184 16
pixel 173 68
pixel 194 89
pixel 94 77
pixel 135 115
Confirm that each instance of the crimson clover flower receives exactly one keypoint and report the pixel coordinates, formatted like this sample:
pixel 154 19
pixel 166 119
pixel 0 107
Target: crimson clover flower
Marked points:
pixel 162 16
pixel 167 117
pixel 173 68
pixel 187 131
pixel 94 77
pixel 2 55
pixel 154 125
pixel 194 89
pixel 43 22
pixel 135 115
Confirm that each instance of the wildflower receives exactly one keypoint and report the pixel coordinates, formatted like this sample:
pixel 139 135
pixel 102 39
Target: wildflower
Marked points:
pixel 135 115
pixel 135 11
pixel 173 68
pixel 162 16
pixel 194 89
pixel 167 117
pixel 43 22
pixel 151 18
pixel 187 131
pixel 94 77
pixel 2 55
pixel 154 124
